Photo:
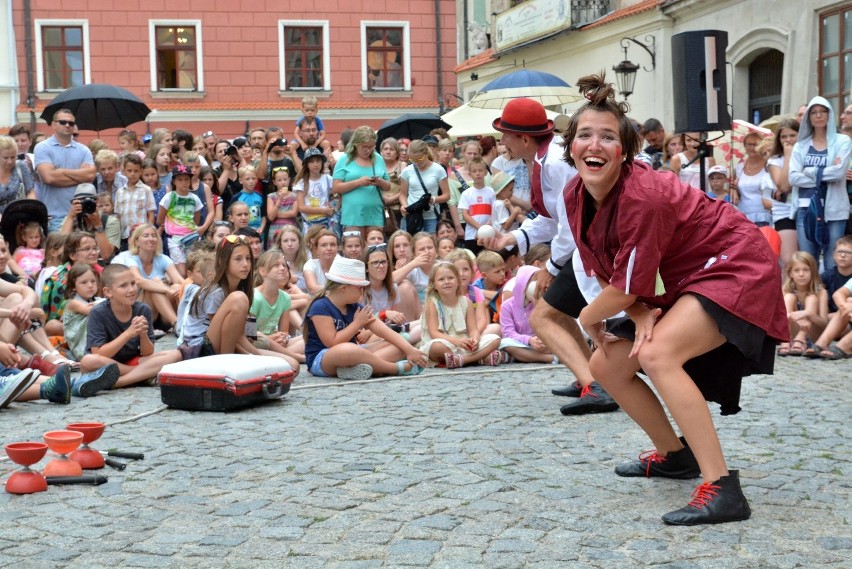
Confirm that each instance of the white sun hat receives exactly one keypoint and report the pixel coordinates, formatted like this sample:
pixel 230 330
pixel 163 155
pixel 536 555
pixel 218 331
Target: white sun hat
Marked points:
pixel 348 271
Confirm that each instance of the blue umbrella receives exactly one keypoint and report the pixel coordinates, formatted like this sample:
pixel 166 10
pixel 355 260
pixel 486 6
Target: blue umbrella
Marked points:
pixel 547 89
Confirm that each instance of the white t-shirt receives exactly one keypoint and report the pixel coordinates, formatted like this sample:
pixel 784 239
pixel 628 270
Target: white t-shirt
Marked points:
pixel 501 164
pixel 479 204
pixel 499 215
pixel 313 266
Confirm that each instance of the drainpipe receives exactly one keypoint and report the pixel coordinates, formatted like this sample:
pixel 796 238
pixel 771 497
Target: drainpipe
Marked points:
pixel 29 56
pixel 465 23
pixel 440 57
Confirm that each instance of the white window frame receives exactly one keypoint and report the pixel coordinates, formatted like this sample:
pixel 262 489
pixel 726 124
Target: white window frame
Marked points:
pixel 282 55
pixel 152 53
pixel 87 67
pixel 406 54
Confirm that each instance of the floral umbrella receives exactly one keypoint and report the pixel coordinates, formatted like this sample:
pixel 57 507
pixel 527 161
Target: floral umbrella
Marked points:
pixel 732 142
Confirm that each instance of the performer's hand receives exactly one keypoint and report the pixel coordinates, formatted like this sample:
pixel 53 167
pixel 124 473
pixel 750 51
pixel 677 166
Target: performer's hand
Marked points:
pixel 644 329
pixel 542 282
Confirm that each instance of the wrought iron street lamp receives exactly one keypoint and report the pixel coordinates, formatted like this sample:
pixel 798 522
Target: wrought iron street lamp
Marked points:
pixel 625 72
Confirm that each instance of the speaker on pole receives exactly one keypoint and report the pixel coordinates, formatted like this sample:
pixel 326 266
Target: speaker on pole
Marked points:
pixel 700 81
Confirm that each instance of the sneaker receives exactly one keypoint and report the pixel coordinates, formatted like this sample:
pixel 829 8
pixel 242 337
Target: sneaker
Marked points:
pixel 57 389
pixel 90 383
pixel 573 390
pixel 713 503
pixel 593 399
pixel 356 372
pixel 11 386
pixel 679 464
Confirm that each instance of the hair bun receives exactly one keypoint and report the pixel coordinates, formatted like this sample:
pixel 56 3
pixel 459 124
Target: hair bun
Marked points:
pixel 598 92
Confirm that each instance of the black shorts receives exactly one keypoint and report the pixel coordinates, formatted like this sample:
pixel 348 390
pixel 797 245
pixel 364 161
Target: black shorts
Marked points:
pixel 784 224
pixel 564 294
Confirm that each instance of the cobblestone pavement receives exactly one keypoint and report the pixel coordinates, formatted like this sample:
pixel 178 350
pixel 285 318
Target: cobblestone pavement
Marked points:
pixel 471 469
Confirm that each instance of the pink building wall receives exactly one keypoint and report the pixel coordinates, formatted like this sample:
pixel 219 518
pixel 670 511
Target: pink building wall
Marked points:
pixel 241 58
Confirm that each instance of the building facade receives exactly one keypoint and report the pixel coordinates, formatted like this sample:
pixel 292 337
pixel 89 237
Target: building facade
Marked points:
pixel 779 54
pixel 229 66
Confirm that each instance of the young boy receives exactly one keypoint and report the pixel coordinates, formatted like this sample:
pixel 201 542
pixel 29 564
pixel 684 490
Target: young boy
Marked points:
pixel 834 279
pixel 310 105
pixel 505 217
pixel 179 215
pixel 252 198
pixel 718 177
pixel 493 270
pixel 120 332
pixel 476 204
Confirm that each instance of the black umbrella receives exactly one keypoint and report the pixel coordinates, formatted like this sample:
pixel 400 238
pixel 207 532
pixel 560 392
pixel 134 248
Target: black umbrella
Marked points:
pixel 411 126
pixel 21 211
pixel 99 106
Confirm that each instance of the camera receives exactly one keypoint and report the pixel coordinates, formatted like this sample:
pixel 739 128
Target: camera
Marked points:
pixel 90 205
pixel 232 150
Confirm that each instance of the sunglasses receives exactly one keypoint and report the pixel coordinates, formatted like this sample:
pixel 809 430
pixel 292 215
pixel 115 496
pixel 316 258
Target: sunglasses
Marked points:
pixel 66 123
pixel 352 234
pixel 377 247
pixel 220 223
pixel 207 134
pixel 232 239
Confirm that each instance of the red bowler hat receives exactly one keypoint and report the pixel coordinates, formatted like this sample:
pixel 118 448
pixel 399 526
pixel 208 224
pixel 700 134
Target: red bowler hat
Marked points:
pixel 523 116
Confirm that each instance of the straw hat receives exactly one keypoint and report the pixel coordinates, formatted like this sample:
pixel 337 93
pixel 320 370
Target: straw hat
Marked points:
pixel 348 271
pixel 500 180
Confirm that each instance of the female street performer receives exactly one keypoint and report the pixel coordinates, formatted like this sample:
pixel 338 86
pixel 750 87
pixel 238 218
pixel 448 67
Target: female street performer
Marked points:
pixel 698 281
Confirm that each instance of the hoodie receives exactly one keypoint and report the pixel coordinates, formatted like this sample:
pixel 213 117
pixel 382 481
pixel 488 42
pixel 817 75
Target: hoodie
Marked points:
pixel 834 174
pixel 515 313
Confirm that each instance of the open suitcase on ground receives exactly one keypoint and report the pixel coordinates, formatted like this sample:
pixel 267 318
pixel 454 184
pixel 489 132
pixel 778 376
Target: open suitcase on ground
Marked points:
pixel 224 382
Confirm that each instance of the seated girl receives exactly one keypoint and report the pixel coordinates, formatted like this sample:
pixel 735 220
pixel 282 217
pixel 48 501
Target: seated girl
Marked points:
pixel 333 322
pixel 519 339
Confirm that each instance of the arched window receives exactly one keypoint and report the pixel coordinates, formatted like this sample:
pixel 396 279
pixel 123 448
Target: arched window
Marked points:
pixel 764 85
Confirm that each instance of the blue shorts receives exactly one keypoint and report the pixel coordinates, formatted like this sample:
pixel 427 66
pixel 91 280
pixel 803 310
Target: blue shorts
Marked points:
pixel 316 366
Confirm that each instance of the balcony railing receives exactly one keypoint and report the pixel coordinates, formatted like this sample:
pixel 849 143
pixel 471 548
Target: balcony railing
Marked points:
pixel 585 11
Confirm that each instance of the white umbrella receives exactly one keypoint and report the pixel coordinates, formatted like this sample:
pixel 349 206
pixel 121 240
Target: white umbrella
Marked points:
pixel 471 121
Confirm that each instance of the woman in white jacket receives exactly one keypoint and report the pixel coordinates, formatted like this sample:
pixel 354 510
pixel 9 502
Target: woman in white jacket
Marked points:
pixel 821 154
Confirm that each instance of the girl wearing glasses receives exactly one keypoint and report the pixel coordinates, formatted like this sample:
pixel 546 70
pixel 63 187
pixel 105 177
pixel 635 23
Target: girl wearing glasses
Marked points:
pixel 817 174
pixel 383 295
pixel 80 247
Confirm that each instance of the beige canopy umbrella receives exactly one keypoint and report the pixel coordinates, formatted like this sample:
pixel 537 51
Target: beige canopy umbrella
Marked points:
pixel 470 121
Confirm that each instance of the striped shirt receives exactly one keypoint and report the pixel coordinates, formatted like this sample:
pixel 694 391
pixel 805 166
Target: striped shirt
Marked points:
pixel 132 206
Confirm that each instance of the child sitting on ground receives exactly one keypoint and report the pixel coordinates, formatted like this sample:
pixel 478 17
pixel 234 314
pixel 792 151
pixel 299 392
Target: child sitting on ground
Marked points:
pixel 519 339
pixel 333 321
pixel 120 335
pixel 807 303
pixel 271 307
pixel 82 295
pixel 448 324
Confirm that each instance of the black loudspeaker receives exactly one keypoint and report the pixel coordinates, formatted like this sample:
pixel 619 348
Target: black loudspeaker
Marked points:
pixel 700 81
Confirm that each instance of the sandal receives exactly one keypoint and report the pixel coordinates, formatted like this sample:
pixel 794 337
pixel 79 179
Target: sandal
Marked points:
pixel 453 361
pixel 814 352
pixel 415 369
pixel 784 350
pixel 834 353
pixel 492 359
pixel 797 348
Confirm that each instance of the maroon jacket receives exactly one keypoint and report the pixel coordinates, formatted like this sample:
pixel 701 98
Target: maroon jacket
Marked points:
pixel 651 224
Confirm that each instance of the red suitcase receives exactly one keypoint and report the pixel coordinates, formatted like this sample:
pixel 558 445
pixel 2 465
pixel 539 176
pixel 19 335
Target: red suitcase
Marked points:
pixel 224 382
